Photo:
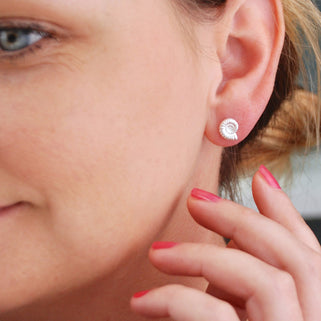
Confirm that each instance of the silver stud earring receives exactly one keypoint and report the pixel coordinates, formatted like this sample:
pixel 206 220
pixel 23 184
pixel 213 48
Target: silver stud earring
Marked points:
pixel 229 128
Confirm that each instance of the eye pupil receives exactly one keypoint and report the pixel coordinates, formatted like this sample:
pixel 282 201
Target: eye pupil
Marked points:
pixel 12 38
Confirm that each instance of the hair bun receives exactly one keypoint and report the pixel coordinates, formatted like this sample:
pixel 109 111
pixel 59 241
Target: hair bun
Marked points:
pixel 294 127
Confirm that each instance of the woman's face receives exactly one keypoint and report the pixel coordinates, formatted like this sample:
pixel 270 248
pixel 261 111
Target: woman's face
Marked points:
pixel 101 126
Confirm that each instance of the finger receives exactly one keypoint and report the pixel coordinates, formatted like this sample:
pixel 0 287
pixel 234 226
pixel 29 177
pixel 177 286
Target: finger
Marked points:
pixel 182 304
pixel 237 303
pixel 280 209
pixel 237 273
pixel 250 232
pixel 266 240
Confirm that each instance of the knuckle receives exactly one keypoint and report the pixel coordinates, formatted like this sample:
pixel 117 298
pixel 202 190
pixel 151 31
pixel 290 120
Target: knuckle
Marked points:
pixel 173 291
pixel 284 283
pixel 224 309
pixel 317 262
pixel 313 265
pixel 238 231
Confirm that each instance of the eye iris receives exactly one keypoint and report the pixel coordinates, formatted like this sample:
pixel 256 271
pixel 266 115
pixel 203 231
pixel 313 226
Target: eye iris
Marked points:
pixel 11 40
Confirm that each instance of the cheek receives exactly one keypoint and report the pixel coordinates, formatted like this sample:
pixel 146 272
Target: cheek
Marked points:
pixel 130 135
pixel 107 169
pixel 123 155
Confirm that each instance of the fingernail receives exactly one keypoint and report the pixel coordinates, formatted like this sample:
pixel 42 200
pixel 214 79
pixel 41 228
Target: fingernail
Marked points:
pixel 203 195
pixel 140 294
pixel 269 178
pixel 163 245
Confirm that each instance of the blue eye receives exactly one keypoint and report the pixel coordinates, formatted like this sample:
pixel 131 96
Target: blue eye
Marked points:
pixel 18 39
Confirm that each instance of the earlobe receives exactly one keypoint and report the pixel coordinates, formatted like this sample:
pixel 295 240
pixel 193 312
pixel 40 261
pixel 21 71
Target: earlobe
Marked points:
pixel 249 58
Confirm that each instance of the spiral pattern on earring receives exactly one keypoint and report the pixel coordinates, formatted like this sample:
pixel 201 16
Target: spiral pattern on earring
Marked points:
pixel 229 128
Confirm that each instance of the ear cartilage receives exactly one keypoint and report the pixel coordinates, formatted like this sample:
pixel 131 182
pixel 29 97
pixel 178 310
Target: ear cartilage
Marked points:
pixel 229 128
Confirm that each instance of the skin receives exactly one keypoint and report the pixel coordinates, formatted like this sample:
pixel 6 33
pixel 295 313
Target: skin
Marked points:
pixel 251 272
pixel 84 123
pixel 104 150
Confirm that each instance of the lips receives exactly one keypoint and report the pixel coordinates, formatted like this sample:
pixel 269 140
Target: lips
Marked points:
pixel 9 208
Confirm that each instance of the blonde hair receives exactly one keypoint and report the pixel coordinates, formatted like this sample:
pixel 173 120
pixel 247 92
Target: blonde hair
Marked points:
pixel 291 120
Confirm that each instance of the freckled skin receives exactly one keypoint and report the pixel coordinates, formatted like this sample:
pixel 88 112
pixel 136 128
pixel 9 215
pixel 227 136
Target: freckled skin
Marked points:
pixel 84 126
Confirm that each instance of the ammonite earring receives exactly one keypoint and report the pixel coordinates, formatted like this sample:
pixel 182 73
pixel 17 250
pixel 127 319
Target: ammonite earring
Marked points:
pixel 229 128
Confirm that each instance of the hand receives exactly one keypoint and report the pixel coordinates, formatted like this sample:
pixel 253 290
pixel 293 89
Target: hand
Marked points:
pixel 270 271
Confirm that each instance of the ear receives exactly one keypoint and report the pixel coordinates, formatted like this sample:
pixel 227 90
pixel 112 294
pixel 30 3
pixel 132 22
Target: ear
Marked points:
pixel 251 43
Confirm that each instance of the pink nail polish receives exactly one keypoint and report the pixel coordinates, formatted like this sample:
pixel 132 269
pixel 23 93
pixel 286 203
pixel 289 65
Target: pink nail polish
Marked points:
pixel 163 245
pixel 269 178
pixel 205 196
pixel 140 294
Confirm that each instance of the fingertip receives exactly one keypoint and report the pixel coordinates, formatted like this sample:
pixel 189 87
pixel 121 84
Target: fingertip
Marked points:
pixel 257 181
pixel 268 177
pixel 163 245
pixel 140 294
pixel 203 195
pixel 200 201
pixel 264 184
pixel 149 303
pixel 137 301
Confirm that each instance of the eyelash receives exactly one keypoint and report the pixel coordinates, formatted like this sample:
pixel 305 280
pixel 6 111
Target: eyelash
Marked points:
pixel 33 48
